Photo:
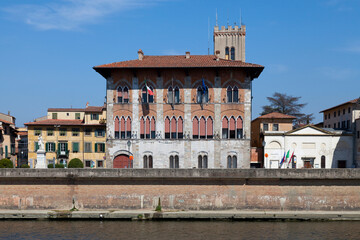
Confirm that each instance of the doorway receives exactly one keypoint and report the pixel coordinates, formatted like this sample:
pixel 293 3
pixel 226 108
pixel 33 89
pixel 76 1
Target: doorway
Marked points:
pixel 122 161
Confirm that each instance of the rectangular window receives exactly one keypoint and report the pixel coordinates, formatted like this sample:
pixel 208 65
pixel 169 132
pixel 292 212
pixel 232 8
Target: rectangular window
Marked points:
pixel 266 126
pixel 1 151
pixel 75 132
pixel 344 111
pixel 37 131
pixel 94 116
pixel 62 131
pixel 50 132
pixel 54 115
pixel 343 124
pixel 358 134
pixel 50 147
pixel 329 116
pixel 101 133
pixel 88 163
pixel 339 113
pixel 338 124
pixel 77 115
pixel 6 151
pixel 88 132
pixel 348 124
pixel 75 147
pixel 325 116
pixel 349 110
pixel 88 147
pixel 100 147
pixel 334 125
pixel 275 127
pixel 334 114
pixel 99 163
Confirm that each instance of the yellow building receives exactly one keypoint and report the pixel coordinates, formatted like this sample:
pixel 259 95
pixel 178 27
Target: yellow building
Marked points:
pixel 8 135
pixel 70 133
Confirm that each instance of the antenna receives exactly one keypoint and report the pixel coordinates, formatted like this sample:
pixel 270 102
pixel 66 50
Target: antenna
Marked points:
pixel 209 36
pixel 216 19
pixel 240 18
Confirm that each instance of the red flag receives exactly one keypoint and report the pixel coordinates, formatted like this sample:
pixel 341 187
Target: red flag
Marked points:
pixel 149 90
pixel 292 155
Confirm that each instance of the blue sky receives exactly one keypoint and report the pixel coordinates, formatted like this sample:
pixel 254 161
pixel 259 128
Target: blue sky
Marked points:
pixel 310 48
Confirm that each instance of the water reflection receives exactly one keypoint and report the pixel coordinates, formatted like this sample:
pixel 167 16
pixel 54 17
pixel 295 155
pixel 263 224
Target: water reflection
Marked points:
pixel 177 230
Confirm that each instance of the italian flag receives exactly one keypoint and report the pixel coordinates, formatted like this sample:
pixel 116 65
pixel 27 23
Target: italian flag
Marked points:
pixel 149 90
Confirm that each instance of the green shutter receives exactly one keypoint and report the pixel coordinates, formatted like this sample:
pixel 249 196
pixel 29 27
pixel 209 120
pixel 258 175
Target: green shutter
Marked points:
pixel 36 146
pixel 96 147
pixel 75 147
pixel 47 147
pixel 6 151
pixel 96 133
pixel 1 150
pixel 66 146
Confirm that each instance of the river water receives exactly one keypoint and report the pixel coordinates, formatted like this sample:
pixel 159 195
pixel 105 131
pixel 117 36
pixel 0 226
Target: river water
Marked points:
pixel 161 230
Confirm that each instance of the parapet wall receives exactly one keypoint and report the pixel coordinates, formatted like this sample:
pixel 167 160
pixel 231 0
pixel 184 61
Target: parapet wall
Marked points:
pixel 180 189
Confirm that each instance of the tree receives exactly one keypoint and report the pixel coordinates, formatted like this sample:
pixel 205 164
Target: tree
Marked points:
pixel 282 103
pixel 6 163
pixel 75 163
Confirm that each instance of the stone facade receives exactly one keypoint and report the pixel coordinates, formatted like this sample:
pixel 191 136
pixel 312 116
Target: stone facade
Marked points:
pixel 188 74
pixel 230 41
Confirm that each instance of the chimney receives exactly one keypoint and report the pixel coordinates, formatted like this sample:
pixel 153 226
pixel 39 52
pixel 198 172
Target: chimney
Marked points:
pixel 9 113
pixel 140 54
pixel 217 55
pixel 187 55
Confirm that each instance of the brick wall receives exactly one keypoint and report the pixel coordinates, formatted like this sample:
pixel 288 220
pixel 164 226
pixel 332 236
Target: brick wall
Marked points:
pixel 181 189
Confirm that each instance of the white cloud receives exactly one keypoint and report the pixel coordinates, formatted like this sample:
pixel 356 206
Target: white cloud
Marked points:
pixel 71 14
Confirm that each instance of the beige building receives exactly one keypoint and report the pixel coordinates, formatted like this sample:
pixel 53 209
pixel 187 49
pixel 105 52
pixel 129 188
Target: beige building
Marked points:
pixel 70 133
pixel 7 137
pixel 272 122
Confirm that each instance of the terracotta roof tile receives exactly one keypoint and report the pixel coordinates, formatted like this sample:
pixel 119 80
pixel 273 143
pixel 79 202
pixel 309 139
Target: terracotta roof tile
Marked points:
pixel 94 109
pixel 178 61
pixel 55 122
pixel 276 115
pixel 7 122
pixel 349 102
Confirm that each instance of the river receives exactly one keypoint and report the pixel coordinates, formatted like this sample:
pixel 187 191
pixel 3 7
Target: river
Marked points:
pixel 161 230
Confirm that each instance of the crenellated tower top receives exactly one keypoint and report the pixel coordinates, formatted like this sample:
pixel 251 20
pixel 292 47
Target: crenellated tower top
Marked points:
pixel 230 41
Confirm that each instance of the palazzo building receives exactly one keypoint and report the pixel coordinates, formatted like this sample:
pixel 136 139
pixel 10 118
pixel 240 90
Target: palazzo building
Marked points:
pixel 184 111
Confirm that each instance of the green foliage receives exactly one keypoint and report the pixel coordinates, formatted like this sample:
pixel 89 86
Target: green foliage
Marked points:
pixel 6 163
pixel 50 165
pixel 57 165
pixel 75 163
pixel 158 207
pixel 24 166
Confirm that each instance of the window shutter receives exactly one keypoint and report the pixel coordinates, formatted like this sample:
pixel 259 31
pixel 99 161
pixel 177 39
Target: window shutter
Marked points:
pixel 47 147
pixel 66 146
pixel 6 151
pixel 96 147
pixel 91 116
pixel 96 133
pixel 36 146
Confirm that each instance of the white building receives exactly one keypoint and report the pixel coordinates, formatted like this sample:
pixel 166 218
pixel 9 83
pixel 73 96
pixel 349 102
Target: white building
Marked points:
pixel 310 146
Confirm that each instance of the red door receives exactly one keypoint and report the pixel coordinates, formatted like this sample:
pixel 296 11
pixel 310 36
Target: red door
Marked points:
pixel 122 161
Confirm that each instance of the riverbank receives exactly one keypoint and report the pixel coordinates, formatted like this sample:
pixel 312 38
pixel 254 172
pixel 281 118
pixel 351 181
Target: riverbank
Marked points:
pixel 180 215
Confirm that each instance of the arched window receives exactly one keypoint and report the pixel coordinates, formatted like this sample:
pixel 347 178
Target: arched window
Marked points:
pixel 177 95
pixel 235 94
pixel 119 95
pixel 232 128
pixel 147 94
pixel 229 94
pixel 126 95
pixel 128 127
pixel 225 128
pixel 117 127
pixel 205 97
pixel 227 53
pixel 153 128
pixel 147 128
pixel 239 128
pixel 323 161
pixel 122 127
pixel 232 161
pixel 232 53
pixel 202 161
pixel 167 128
pixel 142 127
pixel 170 95
pixel 202 127
pixel 148 161
pixel 174 161
pixel 199 94
pixel 209 128
pixel 195 128
pixel 180 128
pixel 173 128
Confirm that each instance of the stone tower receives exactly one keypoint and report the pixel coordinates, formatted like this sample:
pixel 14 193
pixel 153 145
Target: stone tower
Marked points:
pixel 230 42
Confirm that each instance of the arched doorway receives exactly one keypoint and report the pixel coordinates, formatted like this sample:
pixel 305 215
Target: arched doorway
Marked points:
pixel 122 161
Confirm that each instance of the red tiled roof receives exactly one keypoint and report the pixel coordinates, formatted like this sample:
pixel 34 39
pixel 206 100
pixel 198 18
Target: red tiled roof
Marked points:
pixel 277 115
pixel 22 133
pixel 94 109
pixel 66 109
pixel 349 102
pixel 178 61
pixel 7 122
pixel 56 122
